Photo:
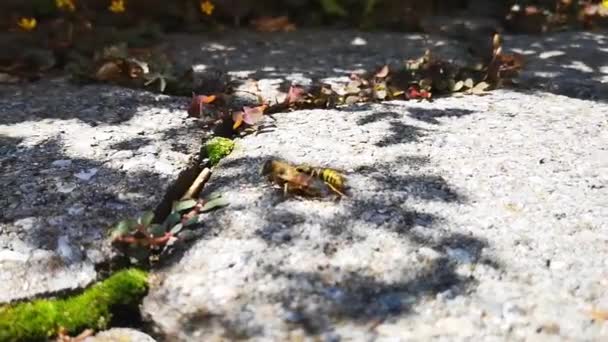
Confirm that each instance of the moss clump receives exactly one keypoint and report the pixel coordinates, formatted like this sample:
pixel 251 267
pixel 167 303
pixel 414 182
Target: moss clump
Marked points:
pixel 217 148
pixel 39 320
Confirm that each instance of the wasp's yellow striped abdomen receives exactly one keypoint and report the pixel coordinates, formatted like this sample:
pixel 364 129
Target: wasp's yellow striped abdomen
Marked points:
pixel 331 177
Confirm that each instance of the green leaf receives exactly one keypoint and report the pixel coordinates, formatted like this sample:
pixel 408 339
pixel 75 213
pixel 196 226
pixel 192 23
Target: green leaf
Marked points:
pixel 176 229
pixel 172 219
pixel 186 235
pixel 183 205
pixel 216 203
pixel 369 7
pixel 146 219
pixel 333 7
pixel 214 195
pixel 138 255
pixel 191 221
pixel 123 227
pixel 157 230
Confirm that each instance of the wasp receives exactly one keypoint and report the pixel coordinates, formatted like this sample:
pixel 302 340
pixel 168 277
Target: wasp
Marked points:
pixel 293 180
pixel 332 178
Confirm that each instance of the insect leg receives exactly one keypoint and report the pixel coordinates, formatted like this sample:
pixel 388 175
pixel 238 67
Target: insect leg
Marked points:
pixel 335 190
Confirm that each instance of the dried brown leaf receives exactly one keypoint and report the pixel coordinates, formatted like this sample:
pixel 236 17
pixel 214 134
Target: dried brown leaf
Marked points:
pixel 109 71
pixel 273 24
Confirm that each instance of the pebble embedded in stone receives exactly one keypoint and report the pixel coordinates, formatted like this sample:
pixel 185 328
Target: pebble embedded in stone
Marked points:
pixel 358 41
pixel 86 175
pixel 62 163
pixel 124 154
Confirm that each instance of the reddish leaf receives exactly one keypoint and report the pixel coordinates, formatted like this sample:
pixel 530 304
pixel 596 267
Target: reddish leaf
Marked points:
pixel 415 93
pixel 273 24
pixel 253 114
pixel 198 103
pixel 294 94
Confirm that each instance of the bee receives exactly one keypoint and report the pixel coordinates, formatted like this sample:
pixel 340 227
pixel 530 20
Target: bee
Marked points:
pixel 292 180
pixel 332 178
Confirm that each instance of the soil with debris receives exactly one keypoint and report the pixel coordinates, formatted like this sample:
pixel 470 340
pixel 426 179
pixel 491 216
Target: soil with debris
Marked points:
pixel 468 218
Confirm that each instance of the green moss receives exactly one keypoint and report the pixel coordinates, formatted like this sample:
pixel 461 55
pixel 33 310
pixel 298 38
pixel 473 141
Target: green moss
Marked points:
pixel 41 319
pixel 217 148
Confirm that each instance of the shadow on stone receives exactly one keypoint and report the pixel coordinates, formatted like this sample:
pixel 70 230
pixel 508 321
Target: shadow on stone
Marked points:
pixel 430 115
pixel 314 303
pixel 572 64
pixel 379 116
pixel 400 133
pixel 94 104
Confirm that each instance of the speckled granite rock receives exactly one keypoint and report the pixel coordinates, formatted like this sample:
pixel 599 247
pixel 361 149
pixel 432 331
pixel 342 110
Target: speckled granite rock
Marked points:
pixel 120 335
pixel 74 161
pixel 471 218
pixel 468 219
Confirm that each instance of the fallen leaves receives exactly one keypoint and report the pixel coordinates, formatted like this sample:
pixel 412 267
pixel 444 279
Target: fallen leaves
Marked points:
pixel 199 105
pixel 249 115
pixel 273 24
pixel 417 79
pixel 503 67
pixel 414 93
pixel 125 66
pixel 28 64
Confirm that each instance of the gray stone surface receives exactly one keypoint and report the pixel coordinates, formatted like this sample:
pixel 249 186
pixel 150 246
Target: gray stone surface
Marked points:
pixel 120 335
pixel 470 218
pixel 476 218
pixel 74 161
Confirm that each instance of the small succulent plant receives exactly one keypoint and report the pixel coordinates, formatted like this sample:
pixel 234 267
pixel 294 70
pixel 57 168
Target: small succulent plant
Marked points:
pixel 141 238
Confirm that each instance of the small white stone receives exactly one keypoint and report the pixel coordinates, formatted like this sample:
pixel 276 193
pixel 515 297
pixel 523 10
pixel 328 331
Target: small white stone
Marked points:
pixel 86 175
pixel 358 41
pixel 7 255
pixel 459 255
pixel 124 154
pixel 65 188
pixel 549 54
pixel 62 163
pixel 66 251
pixel 429 253
pixel 164 168
pixel 75 210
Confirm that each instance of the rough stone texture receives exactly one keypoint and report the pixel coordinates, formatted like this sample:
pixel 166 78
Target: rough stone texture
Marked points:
pixel 120 334
pixel 74 161
pixel 470 218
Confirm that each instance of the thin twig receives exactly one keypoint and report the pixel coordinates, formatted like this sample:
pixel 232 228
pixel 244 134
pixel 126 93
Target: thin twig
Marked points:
pixel 197 185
